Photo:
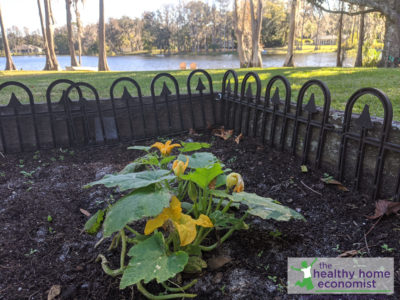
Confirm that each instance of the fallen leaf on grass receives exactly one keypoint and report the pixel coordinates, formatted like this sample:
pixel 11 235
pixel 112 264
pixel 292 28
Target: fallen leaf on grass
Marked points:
pixel 85 212
pixel 385 207
pixel 222 133
pixel 331 180
pixel 239 138
pixel 54 291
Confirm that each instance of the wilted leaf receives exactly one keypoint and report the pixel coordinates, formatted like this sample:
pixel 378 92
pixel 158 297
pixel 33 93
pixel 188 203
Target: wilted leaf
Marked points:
pixel 349 253
pixel 222 133
pixel 331 180
pixel 85 212
pixel 54 291
pixel 238 138
pixel 215 263
pixel 150 261
pixel 93 225
pixel 385 207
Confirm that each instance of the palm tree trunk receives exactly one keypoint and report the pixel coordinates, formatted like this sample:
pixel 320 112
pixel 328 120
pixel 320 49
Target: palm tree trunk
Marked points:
pixel 48 65
pixel 79 27
pixel 50 35
pixel 289 61
pixel 103 65
pixel 9 61
pixel 71 45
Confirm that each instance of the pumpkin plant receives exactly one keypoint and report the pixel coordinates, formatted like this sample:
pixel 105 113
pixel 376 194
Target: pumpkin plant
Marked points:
pixel 183 199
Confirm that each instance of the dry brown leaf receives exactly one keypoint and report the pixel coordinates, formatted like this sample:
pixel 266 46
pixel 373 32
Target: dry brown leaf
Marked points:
pixel 85 212
pixel 385 207
pixel 211 185
pixel 239 138
pixel 330 180
pixel 222 133
pixel 54 291
pixel 215 263
pixel 349 253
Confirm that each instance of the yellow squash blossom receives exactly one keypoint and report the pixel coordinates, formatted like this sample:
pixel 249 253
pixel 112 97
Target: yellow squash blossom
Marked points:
pixel 179 166
pixel 184 224
pixel 166 148
pixel 235 179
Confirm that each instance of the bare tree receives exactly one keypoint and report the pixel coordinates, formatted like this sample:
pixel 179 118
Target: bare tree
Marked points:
pixel 53 63
pixel 103 65
pixel 289 60
pixel 9 61
pixel 71 45
pixel 361 34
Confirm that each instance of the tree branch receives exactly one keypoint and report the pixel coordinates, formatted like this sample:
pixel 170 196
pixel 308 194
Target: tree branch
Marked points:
pixel 320 6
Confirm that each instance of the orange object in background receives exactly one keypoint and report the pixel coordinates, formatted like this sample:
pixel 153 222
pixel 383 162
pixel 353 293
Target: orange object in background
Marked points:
pixel 193 66
pixel 182 66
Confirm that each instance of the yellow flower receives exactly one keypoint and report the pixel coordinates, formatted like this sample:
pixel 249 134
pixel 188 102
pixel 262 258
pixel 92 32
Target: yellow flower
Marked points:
pixel 179 166
pixel 166 148
pixel 184 224
pixel 235 179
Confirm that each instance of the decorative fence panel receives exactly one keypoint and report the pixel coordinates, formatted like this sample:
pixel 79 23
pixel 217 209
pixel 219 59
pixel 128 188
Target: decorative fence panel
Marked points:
pixel 363 152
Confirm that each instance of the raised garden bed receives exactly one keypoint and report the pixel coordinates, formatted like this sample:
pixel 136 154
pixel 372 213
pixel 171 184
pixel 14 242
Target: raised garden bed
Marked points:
pixel 42 242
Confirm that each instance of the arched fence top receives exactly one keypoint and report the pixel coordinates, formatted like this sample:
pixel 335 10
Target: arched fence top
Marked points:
pixel 226 88
pixel 310 107
pixel 275 100
pixel 248 91
pixel 200 86
pixel 14 101
pixel 78 85
pixel 57 82
pixel 365 120
pixel 125 92
pixel 165 89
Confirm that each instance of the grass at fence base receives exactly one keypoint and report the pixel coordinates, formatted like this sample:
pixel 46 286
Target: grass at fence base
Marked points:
pixel 342 82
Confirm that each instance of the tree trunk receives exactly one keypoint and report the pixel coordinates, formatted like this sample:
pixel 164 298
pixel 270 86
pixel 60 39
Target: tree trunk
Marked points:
pixel 79 29
pixel 239 34
pixel 289 60
pixel 361 34
pixel 391 48
pixel 9 61
pixel 71 45
pixel 339 62
pixel 103 65
pixel 48 65
pixel 256 59
pixel 50 36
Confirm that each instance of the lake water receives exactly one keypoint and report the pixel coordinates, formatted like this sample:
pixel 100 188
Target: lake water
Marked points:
pixel 171 62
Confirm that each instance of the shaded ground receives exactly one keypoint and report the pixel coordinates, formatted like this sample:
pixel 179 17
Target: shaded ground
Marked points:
pixel 36 253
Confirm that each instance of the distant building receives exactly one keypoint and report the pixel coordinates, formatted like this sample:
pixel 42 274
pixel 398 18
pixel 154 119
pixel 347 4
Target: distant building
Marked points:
pixel 28 49
pixel 326 40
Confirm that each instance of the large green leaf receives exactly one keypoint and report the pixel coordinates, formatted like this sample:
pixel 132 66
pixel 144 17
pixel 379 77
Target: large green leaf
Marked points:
pixel 266 208
pixel 134 180
pixel 150 261
pixel 203 176
pixel 144 202
pixel 131 168
pixel 199 160
pixel 188 147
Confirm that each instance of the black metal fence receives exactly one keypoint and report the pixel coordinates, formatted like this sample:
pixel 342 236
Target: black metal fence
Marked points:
pixel 302 129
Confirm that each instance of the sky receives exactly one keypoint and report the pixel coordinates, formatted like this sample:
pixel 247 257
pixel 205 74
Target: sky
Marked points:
pixel 24 13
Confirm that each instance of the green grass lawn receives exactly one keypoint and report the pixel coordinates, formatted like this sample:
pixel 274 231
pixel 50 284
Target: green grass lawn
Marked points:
pixel 342 82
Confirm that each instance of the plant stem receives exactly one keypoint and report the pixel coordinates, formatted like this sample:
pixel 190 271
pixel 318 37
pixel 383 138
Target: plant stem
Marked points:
pixel 106 268
pixel 123 249
pixel 179 289
pixel 148 295
pixel 133 230
pixel 227 206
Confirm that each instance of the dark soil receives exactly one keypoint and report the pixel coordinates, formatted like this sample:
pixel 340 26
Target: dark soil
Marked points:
pixel 36 253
